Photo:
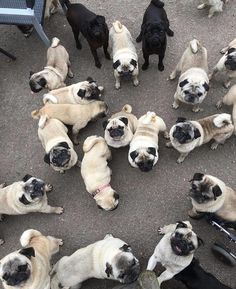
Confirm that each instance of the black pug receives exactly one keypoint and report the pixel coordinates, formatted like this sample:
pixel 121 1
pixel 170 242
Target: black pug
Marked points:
pixel 154 28
pixel 195 277
pixel 93 27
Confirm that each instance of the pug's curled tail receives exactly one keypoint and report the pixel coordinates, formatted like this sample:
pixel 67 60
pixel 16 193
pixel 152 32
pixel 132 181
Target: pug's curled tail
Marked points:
pixel 55 42
pixel 222 119
pixel 158 3
pixel 27 236
pixel 117 26
pixel 90 142
pixel 194 46
pixel 127 108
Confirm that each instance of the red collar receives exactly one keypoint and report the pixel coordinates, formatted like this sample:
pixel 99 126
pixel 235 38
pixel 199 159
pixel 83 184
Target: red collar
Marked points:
pixel 100 189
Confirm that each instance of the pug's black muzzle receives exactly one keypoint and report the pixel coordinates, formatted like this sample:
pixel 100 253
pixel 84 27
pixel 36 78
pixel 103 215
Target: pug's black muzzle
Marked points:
pixel 230 63
pixel 145 167
pixel 180 246
pixel 192 98
pixel 61 158
pixel 38 191
pixel 17 278
pixel 126 75
pixel 181 137
pixel 117 132
pixel 133 274
pixel 35 87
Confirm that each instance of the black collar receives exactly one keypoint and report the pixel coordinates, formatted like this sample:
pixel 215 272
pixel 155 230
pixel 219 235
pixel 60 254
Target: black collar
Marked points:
pixel 23 200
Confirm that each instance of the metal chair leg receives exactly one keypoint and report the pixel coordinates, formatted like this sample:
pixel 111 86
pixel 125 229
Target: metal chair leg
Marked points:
pixel 38 27
pixel 7 54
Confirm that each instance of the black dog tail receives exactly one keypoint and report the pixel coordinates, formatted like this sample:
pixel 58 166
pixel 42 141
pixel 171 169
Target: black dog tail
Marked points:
pixel 67 3
pixel 158 3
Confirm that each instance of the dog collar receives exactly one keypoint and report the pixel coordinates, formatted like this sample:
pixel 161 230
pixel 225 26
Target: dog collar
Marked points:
pixel 100 189
pixel 55 71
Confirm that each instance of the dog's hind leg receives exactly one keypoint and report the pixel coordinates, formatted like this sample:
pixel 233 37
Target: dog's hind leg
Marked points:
pixel 146 60
pixel 105 47
pixel 95 56
pixel 70 73
pixel 182 157
pixel 76 36
pixel 220 139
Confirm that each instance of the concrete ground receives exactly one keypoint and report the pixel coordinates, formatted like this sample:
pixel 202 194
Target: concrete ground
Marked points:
pixel 147 200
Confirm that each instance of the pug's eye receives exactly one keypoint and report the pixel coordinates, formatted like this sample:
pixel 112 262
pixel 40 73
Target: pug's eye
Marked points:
pixel 34 182
pixel 206 197
pixel 122 276
pixel 199 94
pixel 5 276
pixel 194 186
pixel 120 127
pixel 133 263
pixel 191 247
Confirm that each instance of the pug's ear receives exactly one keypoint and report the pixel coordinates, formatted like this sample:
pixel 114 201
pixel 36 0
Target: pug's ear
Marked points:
pixel 196 133
pixel 133 155
pixel 108 270
pixel 47 159
pixel 206 86
pixel 104 124
pixel 231 50
pixel 28 252
pixel 183 83
pixel 181 119
pixel 31 73
pixel 200 241
pixel 152 151
pixel 124 120
pixel 90 80
pixel 26 178
pixel 81 93
pixel 198 177
pixel 126 248
pixel 181 224
pixel 216 191
pixel 64 145
pixel 100 19
pixel 133 62
pixel 116 64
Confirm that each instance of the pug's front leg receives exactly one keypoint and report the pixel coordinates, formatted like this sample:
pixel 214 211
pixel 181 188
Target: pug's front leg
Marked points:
pixel 152 262
pixel 194 214
pixel 48 188
pixel 176 102
pixel 135 80
pixel 166 275
pixel 167 229
pixel 117 78
pixel 52 210
pixel 182 158
pixel 196 108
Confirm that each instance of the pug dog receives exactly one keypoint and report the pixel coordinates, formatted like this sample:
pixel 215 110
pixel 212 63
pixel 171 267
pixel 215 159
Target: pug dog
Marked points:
pixel 125 58
pixel 193 83
pixel 211 195
pixel 195 277
pixel 143 152
pixel 29 267
pixel 175 250
pixel 186 135
pixel 26 196
pixel 110 258
pixel 120 127
pixel 60 153
pixel 215 6
pixel 230 99
pixel 93 27
pixel 96 173
pixel 79 93
pixel 77 115
pixel 154 28
pixel 54 73
pixel 227 64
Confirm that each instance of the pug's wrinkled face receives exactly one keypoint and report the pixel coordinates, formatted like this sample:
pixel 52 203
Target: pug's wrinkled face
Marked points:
pixel 184 241
pixel 97 28
pixel 230 62
pixel 155 35
pixel 203 190
pixel 34 189
pixel 37 82
pixel 185 132
pixel 125 266
pixel 144 158
pixel 193 93
pixel 15 268
pixel 116 128
pixel 108 200
pixel 90 90
pixel 59 156
pixel 125 67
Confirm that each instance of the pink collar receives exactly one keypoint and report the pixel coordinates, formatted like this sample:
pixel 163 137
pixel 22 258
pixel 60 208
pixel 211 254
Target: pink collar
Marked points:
pixel 100 189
